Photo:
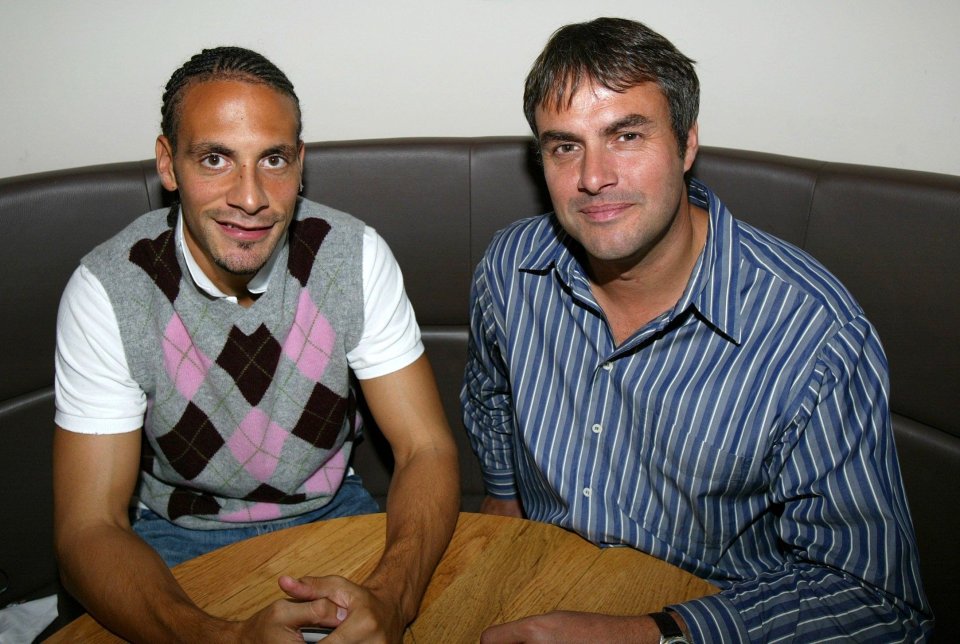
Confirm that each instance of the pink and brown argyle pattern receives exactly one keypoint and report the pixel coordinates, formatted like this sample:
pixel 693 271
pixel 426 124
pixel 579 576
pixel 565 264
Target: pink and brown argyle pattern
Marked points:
pixel 250 413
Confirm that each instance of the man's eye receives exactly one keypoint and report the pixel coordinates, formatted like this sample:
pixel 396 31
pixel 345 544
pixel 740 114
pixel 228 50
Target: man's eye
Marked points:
pixel 630 136
pixel 275 161
pixel 564 148
pixel 213 161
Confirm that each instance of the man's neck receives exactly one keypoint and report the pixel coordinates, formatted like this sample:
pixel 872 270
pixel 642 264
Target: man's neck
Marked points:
pixel 235 286
pixel 634 294
pixel 246 299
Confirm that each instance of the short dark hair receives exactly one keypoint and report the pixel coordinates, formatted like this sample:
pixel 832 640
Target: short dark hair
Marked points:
pixel 618 54
pixel 221 63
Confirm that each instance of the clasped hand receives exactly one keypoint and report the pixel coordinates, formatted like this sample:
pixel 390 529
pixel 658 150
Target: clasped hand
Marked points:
pixel 357 614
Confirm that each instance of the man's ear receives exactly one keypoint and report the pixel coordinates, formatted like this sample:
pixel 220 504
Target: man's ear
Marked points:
pixel 693 146
pixel 301 150
pixel 165 163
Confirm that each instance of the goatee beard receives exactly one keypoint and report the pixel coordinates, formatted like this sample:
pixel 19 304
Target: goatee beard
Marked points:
pixel 243 272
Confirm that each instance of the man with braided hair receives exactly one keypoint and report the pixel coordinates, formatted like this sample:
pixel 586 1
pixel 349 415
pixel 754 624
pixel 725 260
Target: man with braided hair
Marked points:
pixel 204 361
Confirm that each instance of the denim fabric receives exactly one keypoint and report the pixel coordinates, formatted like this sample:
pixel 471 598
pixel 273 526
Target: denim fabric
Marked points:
pixel 176 544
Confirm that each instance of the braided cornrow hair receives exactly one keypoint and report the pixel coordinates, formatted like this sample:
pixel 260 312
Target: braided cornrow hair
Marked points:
pixel 221 63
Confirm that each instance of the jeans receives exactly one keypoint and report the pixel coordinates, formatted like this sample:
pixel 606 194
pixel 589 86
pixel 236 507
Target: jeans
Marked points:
pixel 176 544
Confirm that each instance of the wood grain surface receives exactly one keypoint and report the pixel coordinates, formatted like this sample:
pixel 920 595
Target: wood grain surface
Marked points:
pixel 496 569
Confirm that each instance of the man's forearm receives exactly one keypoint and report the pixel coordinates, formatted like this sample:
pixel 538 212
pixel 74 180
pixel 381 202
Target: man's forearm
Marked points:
pixel 420 522
pixel 134 595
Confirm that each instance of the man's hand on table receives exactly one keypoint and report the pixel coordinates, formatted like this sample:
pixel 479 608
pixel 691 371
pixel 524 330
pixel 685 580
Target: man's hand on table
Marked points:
pixel 358 613
pixel 567 626
pixel 280 622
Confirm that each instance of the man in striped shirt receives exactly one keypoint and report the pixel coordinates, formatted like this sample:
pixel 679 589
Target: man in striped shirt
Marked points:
pixel 650 372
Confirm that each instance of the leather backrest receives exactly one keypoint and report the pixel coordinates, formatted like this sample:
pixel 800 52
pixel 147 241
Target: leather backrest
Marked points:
pixel 892 236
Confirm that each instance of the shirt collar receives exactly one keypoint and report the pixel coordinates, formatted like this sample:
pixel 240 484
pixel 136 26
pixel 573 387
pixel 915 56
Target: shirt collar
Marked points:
pixel 555 248
pixel 712 290
pixel 257 285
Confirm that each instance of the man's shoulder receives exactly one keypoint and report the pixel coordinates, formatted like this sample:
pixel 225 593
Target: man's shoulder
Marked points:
pixel 797 269
pixel 307 209
pixel 319 230
pixel 523 239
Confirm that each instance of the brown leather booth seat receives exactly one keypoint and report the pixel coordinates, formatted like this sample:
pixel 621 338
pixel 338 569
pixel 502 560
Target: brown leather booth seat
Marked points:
pixel 892 236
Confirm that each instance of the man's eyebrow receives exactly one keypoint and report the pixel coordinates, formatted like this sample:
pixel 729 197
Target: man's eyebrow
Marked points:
pixel 557 135
pixel 631 120
pixel 283 150
pixel 203 148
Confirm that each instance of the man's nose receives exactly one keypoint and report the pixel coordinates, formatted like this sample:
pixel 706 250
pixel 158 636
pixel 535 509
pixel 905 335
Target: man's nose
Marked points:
pixel 247 191
pixel 598 170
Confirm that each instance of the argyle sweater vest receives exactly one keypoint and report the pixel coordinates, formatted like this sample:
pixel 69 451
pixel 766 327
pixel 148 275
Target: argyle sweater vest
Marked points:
pixel 250 411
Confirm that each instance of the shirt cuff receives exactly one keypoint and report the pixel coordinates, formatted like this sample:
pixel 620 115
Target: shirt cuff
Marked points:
pixel 500 484
pixel 84 425
pixel 395 364
pixel 712 619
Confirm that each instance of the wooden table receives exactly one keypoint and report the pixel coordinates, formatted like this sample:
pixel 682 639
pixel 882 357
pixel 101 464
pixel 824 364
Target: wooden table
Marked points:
pixel 496 569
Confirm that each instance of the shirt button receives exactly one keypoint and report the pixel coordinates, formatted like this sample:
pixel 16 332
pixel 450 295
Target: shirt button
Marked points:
pixel 587 492
pixel 597 428
pixel 607 366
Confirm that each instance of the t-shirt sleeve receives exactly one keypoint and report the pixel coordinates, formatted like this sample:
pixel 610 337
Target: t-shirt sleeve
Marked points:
pixel 94 390
pixel 391 337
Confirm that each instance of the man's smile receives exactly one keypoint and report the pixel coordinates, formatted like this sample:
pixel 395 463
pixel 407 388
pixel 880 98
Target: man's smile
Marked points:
pixel 602 212
pixel 244 233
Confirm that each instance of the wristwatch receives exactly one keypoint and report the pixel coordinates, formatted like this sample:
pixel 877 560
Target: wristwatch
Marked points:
pixel 670 633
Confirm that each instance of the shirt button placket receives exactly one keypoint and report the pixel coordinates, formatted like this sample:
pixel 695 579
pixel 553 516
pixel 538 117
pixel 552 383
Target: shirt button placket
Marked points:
pixel 597 428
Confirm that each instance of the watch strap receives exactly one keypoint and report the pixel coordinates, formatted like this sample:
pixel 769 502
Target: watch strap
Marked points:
pixel 668 627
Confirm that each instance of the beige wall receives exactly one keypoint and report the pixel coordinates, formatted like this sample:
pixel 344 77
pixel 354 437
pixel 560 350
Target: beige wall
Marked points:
pixel 859 81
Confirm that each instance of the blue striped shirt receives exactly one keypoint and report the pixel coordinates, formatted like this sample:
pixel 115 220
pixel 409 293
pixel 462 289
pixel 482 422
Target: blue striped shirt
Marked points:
pixel 743 435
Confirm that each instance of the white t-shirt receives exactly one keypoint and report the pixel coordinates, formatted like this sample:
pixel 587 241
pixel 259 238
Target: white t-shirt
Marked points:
pixel 96 394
